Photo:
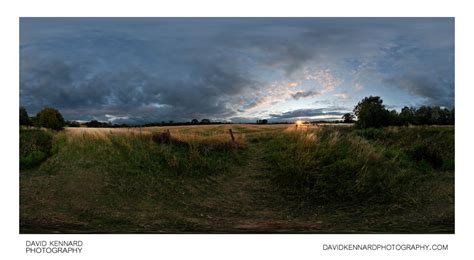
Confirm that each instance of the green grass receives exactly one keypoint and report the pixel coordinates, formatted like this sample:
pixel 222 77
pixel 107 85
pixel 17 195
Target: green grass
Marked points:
pixel 106 182
pixel 329 180
pixel 35 147
pixel 410 169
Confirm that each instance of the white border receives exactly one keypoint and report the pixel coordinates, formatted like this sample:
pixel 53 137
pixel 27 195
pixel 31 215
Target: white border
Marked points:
pixel 234 246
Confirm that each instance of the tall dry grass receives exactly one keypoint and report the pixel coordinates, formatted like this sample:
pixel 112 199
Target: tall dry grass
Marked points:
pixel 191 134
pixel 337 165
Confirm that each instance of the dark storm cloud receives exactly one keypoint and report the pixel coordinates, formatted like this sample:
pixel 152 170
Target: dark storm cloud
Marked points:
pixel 435 90
pixel 88 73
pixel 154 69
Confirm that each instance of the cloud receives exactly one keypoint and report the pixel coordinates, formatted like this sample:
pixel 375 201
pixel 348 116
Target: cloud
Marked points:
pixel 160 69
pixel 89 87
pixel 303 94
pixel 257 103
pixel 113 118
pixel 358 87
pixel 272 93
pixel 434 90
pixel 324 78
pixel 342 95
pixel 245 119
pixel 322 113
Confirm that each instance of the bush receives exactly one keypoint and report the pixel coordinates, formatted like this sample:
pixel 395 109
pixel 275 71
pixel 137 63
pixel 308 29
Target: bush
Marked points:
pixel 32 159
pixel 35 147
pixel 166 138
pixel 50 118
pixel 429 152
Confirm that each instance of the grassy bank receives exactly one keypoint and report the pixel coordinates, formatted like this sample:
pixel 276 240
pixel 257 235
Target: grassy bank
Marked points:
pixel 406 172
pixel 109 183
pixel 271 179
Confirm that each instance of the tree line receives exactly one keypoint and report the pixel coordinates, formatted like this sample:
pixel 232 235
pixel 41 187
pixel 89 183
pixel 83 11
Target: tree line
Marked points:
pixel 369 112
pixel 51 118
pixel 48 118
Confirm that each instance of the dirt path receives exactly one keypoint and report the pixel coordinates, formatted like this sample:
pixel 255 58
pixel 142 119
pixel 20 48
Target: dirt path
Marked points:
pixel 244 200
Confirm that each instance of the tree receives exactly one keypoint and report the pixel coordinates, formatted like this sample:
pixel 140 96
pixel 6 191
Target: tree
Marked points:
pixel 348 118
pixel 371 112
pixel 423 115
pixel 205 121
pixel 50 118
pixel 451 117
pixel 73 124
pixel 263 121
pixel 34 121
pixel 394 118
pixel 446 116
pixel 407 115
pixel 439 116
pixel 24 118
pixel 93 123
pixel 194 121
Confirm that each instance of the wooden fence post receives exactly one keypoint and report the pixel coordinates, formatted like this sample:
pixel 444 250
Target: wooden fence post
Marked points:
pixel 231 135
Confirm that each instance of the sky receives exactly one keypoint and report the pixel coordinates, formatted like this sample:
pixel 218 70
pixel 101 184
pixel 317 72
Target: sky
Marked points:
pixel 142 70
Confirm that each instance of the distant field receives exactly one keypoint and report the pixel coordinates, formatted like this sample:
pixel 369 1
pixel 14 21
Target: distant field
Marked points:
pixel 196 132
pixel 270 179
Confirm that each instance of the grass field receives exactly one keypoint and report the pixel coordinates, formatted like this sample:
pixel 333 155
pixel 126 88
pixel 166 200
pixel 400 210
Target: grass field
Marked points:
pixel 271 179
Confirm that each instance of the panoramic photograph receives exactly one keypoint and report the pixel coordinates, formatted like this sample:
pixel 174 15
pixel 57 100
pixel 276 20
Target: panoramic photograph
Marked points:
pixel 181 125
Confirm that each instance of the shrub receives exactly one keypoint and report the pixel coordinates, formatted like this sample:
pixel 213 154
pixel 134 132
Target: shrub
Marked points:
pixel 32 159
pixel 50 118
pixel 429 152
pixel 166 138
pixel 35 147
